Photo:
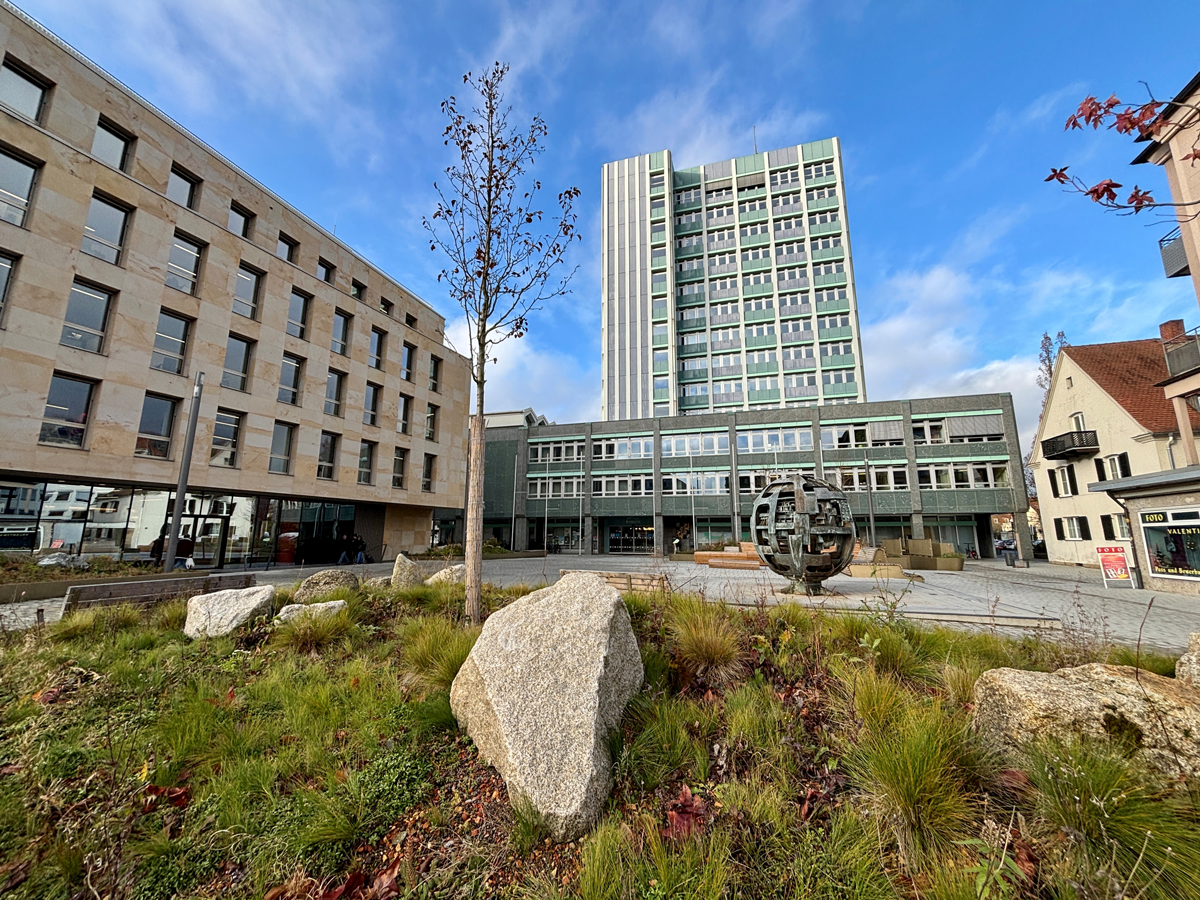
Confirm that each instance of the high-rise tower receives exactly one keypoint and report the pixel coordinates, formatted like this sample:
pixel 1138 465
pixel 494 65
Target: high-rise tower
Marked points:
pixel 727 286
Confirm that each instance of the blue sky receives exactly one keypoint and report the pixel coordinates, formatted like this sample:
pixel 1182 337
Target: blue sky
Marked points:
pixel 950 116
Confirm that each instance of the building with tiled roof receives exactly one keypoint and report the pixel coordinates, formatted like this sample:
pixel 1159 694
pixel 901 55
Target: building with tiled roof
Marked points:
pixel 1105 417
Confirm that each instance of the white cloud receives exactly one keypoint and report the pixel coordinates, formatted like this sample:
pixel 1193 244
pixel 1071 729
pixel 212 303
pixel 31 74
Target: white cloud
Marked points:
pixel 303 59
pixel 699 126
pixel 537 35
pixel 525 372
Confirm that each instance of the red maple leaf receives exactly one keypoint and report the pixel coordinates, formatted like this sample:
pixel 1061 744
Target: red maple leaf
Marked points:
pixel 685 815
pixel 1193 156
pixel 1059 175
pixel 1139 199
pixel 1106 190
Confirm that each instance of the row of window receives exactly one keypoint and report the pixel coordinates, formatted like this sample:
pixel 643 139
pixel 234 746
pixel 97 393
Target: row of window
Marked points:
pixel 68 407
pixel 1064 483
pixel 792 276
pixel 25 92
pixel 1115 527
pixel 716 259
pixel 782 227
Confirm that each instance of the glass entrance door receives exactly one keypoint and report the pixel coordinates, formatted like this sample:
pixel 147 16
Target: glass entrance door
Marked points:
pixel 631 539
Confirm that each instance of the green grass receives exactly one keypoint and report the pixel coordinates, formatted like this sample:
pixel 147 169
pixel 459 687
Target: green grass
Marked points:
pixel 433 649
pixel 308 632
pixel 707 640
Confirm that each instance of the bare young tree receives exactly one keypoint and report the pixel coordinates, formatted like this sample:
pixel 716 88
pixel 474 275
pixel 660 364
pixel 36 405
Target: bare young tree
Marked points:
pixel 503 254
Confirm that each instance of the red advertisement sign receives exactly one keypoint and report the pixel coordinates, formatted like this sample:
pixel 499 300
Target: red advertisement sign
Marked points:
pixel 1113 563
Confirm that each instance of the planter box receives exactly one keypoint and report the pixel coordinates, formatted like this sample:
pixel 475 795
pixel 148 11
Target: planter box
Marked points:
pixel 923 562
pixel 949 564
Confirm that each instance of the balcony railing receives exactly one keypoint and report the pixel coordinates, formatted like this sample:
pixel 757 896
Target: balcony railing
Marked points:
pixel 1183 353
pixel 1174 257
pixel 1073 443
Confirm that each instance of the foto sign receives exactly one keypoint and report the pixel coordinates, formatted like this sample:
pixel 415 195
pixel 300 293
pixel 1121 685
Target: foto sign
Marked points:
pixel 1114 566
pixel 1172 539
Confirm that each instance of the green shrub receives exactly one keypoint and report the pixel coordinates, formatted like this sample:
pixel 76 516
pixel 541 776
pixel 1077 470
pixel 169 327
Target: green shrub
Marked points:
pixel 707 642
pixel 1158 663
pixel 840 862
pixel 959 681
pixel 433 650
pixel 894 655
pixel 1118 824
pixel 662 743
pixel 529 826
pixel 307 632
pixel 916 776
pixel 431 715
pixel 755 727
pixel 170 615
pixel 657 667
pixel 863 696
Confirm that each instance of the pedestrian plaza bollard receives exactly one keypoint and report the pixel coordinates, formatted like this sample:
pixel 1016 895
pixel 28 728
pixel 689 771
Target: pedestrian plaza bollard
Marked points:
pixel 802 528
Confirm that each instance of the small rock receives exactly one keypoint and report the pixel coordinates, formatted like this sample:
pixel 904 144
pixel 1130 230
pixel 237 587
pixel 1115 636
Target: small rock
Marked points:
pixel 327 580
pixel 547 679
pixel 62 561
pixel 1160 717
pixel 406 573
pixel 449 575
pixel 315 610
pixel 218 613
pixel 381 582
pixel 1187 668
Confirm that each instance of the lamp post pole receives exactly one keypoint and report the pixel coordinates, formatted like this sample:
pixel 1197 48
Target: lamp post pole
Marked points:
pixel 185 465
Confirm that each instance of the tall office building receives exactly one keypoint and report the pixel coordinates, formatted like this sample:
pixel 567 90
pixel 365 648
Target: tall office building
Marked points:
pixel 727 286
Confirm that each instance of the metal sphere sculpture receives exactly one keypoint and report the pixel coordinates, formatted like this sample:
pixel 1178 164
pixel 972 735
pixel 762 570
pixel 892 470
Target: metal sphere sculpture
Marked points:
pixel 803 529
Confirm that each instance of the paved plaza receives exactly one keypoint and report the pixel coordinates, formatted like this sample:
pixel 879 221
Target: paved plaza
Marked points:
pixel 986 593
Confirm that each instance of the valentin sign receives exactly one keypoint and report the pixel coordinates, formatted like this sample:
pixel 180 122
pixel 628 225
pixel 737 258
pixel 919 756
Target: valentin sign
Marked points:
pixel 1172 542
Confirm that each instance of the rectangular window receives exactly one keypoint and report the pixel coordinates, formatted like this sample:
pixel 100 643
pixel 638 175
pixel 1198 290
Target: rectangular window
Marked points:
pixel 431 417
pixel 64 421
pixel 227 432
pixel 371 404
pixel 183 266
pixel 399 464
pixel 408 356
pixel 104 232
pixel 111 145
pixel 87 318
pixel 327 456
pixel 366 461
pixel 286 248
pixel 6 267
pixel 170 343
pixel 237 363
pixel 427 473
pixel 358 290
pixel 297 323
pixel 325 270
pixel 245 292
pixel 333 392
pixel 16 188
pixel 181 187
pixel 435 374
pixel 410 320
pixel 21 92
pixel 291 373
pixel 404 414
pixel 386 306
pixel 378 348
pixel 154 431
pixel 281 448
pixel 240 220
pixel 341 333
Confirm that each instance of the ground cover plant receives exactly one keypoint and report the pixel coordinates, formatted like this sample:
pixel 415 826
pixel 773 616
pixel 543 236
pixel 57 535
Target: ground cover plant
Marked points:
pixel 22 569
pixel 773 752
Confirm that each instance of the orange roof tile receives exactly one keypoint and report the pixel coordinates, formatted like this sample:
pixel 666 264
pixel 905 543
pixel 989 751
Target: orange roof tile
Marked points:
pixel 1128 372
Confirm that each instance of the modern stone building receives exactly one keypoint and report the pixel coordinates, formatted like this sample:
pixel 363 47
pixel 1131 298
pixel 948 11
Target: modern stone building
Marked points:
pixel 727 286
pixel 936 468
pixel 132 257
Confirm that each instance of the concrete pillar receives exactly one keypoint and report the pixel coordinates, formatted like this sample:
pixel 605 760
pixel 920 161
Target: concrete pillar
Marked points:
pixel 1024 538
pixel 1186 437
pixel 587 536
pixel 918 526
pixel 660 537
pixel 520 538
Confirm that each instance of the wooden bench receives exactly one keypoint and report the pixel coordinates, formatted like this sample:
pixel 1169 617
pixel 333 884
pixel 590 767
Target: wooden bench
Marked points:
pixel 143 593
pixel 628 581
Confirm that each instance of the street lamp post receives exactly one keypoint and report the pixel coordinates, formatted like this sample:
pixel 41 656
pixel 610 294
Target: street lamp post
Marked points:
pixel 185 465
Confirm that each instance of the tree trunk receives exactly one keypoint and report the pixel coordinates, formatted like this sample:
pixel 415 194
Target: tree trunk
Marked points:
pixel 473 544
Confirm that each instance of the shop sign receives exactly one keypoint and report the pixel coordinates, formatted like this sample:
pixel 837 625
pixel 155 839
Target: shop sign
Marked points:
pixel 1172 542
pixel 1113 565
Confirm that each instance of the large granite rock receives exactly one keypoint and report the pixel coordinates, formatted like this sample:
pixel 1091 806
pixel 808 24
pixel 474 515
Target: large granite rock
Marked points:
pixel 546 681
pixel 449 575
pixel 1187 667
pixel 1159 716
pixel 320 583
pixel 218 613
pixel 315 610
pixel 406 573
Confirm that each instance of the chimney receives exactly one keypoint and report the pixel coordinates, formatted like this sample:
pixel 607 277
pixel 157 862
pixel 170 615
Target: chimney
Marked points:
pixel 1168 331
